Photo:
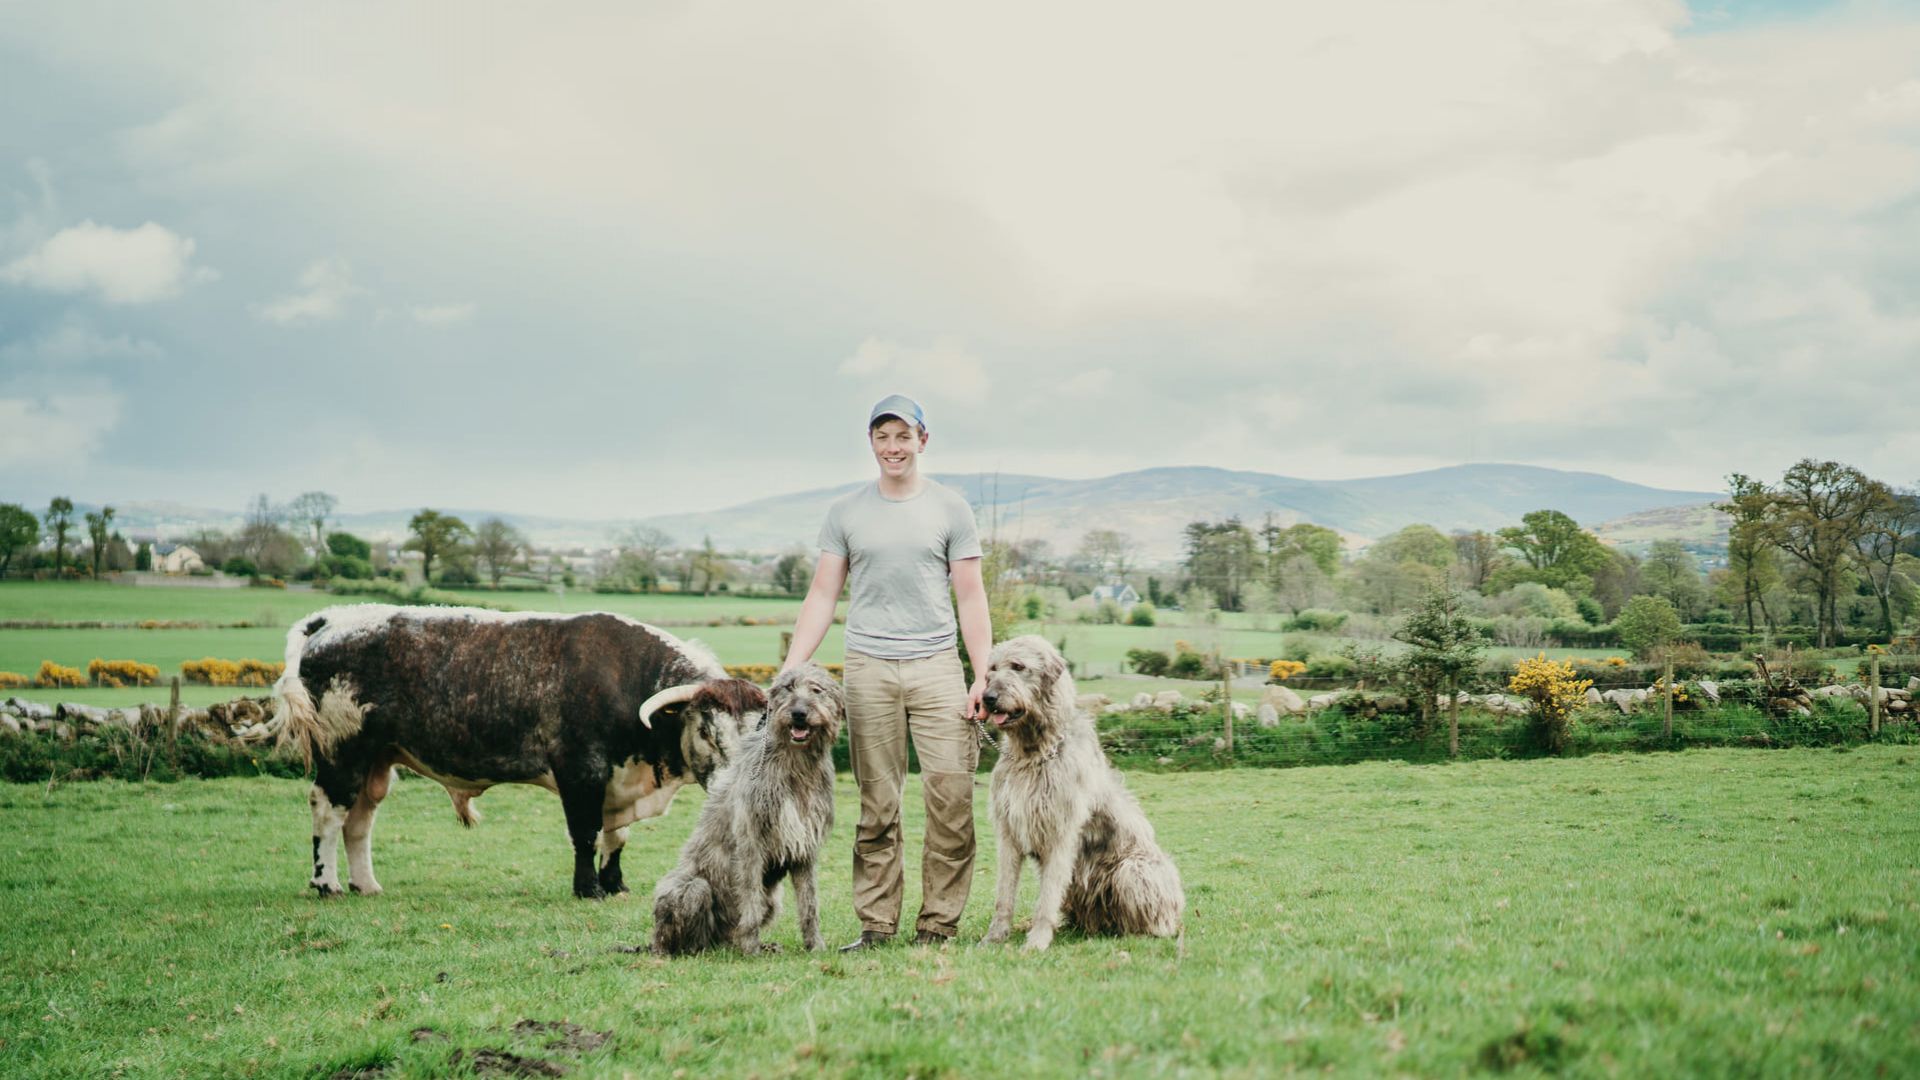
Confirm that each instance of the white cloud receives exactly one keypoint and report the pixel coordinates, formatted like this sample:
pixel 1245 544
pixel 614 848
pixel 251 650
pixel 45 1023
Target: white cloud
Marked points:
pixel 123 266
pixel 941 372
pixel 326 287
pixel 74 341
pixel 54 430
pixel 1089 383
pixel 442 314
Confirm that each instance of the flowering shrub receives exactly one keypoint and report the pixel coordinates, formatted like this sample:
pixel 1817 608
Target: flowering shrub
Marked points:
pixel 212 671
pixel 13 680
pixel 52 674
pixel 764 673
pixel 117 673
pixel 1282 670
pixel 1555 690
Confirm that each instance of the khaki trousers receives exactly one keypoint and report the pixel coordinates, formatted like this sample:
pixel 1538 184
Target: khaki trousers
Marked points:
pixel 888 700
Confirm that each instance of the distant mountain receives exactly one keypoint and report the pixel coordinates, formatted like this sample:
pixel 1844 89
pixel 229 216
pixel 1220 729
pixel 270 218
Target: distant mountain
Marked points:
pixel 1702 529
pixel 1152 506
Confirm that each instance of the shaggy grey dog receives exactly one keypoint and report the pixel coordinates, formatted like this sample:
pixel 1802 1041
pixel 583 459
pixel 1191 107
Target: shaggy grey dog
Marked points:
pixel 1056 799
pixel 767 814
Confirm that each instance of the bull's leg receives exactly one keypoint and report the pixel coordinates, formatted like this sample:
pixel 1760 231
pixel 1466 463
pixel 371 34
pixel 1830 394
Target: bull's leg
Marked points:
pixel 328 820
pixel 612 843
pixel 582 803
pixel 359 831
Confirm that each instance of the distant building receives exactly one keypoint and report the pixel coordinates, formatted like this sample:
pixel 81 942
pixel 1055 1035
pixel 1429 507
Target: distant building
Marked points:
pixel 176 559
pixel 1120 593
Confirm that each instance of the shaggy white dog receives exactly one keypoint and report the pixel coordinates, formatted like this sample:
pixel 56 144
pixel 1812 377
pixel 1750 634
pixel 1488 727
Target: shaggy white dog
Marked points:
pixel 1056 799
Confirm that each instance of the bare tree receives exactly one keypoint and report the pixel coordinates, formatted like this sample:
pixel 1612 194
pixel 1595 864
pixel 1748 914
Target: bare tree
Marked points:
pixel 1109 551
pixel 311 510
pixel 495 543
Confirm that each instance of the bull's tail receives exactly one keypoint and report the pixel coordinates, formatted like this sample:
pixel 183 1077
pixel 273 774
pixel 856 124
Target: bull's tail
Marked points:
pixel 309 728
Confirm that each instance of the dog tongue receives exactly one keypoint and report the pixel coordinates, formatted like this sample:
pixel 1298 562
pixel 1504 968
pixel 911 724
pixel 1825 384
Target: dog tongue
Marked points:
pixel 1001 719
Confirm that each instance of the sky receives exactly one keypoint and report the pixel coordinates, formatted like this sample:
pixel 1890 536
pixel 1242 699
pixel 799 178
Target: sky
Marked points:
pixel 615 260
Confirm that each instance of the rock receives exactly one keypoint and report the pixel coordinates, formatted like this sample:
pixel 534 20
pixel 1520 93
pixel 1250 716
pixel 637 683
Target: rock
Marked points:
pixel 1621 698
pixel 1639 696
pixel 1913 684
pixel 1593 696
pixel 1899 705
pixel 1092 703
pixel 12 725
pixel 1283 698
pixel 1241 710
pixel 1219 745
pixel 1268 716
pixel 1391 703
pixel 1710 690
pixel 1143 700
pixel 1828 691
pixel 1163 760
pixel 29 710
pixel 1167 699
pixel 1320 701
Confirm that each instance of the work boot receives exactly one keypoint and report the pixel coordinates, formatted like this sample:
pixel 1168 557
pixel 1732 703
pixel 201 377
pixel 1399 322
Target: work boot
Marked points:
pixel 928 937
pixel 869 939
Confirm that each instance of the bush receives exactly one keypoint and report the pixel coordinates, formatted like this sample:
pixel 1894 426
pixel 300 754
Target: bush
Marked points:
pixel 1108 613
pixel 1142 614
pixel 13 680
pixel 1555 691
pixel 240 566
pixel 117 673
pixel 1149 661
pixel 53 675
pixel 765 673
pixel 212 671
pixel 1189 665
pixel 1590 610
pixel 1330 666
pixel 1317 619
pixel 1282 670
pixel 1033 606
pixel 1646 623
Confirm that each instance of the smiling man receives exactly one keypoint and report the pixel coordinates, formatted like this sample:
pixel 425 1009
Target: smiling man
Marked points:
pixel 902 540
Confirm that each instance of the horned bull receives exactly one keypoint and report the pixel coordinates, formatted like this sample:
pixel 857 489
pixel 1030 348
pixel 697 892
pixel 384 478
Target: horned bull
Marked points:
pixel 612 715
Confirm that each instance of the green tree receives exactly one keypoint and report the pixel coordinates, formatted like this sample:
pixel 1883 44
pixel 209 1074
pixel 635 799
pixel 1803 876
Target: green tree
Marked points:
pixel 1556 551
pixel 1220 559
pixel 1647 624
pixel 495 544
pixel 1108 553
pixel 710 568
pixel 1315 542
pixel 1444 647
pixel 790 573
pixel 143 558
pixel 1671 571
pixel 19 532
pixel 1818 514
pixel 1400 568
pixel 1750 543
pixel 99 526
pixel 643 557
pixel 1476 557
pixel 59 522
pixel 436 536
pixel 1879 549
pixel 348 546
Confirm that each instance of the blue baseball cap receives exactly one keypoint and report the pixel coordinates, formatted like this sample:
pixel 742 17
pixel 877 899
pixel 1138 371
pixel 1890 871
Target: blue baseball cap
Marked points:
pixel 901 406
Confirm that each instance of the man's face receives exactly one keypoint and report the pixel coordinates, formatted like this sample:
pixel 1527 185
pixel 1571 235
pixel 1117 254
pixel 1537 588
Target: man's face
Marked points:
pixel 897 446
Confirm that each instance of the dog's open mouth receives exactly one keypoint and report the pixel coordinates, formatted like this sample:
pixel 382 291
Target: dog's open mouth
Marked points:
pixel 1003 719
pixel 800 732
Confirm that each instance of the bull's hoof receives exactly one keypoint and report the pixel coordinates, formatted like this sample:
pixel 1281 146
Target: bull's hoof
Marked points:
pixel 613 883
pixel 327 892
pixel 595 892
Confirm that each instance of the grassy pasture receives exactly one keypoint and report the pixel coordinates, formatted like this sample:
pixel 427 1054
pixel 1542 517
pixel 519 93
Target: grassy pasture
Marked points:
pixel 1711 913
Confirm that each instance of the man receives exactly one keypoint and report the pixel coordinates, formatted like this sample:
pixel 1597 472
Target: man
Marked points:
pixel 902 539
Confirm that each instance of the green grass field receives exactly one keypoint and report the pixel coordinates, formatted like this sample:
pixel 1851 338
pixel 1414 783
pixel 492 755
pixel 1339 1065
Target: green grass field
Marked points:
pixel 1711 913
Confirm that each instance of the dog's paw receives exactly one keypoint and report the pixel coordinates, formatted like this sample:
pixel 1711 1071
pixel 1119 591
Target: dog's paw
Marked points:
pixel 1038 940
pixel 995 935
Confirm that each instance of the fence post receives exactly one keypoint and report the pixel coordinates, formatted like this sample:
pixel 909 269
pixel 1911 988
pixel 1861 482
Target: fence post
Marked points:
pixel 1873 696
pixel 1226 700
pixel 1667 685
pixel 173 724
pixel 1453 717
pixel 786 646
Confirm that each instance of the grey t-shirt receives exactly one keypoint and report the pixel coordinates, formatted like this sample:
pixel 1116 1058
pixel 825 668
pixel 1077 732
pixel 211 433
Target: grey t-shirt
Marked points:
pixel 897 551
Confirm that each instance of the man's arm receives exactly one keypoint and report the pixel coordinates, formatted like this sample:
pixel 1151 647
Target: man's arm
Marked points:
pixel 816 614
pixel 976 626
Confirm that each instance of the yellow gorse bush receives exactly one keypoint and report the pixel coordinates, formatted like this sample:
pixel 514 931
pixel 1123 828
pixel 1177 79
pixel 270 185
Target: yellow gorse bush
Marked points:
pixel 1282 670
pixel 52 674
pixel 1552 685
pixel 764 673
pixel 212 671
pixel 13 680
pixel 117 673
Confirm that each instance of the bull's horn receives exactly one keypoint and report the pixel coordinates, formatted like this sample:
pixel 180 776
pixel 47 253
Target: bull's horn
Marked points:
pixel 672 695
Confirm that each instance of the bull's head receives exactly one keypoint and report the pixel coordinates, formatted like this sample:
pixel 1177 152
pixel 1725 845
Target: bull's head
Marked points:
pixel 713 716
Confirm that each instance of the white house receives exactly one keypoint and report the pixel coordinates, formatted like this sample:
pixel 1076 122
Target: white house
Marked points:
pixel 176 559
pixel 1120 593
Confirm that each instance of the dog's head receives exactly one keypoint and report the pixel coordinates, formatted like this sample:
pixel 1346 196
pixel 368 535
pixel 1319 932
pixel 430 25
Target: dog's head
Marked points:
pixel 1027 683
pixel 804 707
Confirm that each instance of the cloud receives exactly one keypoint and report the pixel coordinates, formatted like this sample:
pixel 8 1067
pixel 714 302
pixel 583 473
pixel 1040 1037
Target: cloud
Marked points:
pixel 443 314
pixel 326 287
pixel 123 266
pixel 937 373
pixel 55 430
pixel 74 341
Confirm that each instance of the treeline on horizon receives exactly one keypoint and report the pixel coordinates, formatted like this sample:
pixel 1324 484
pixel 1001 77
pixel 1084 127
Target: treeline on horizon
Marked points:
pixel 1823 552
